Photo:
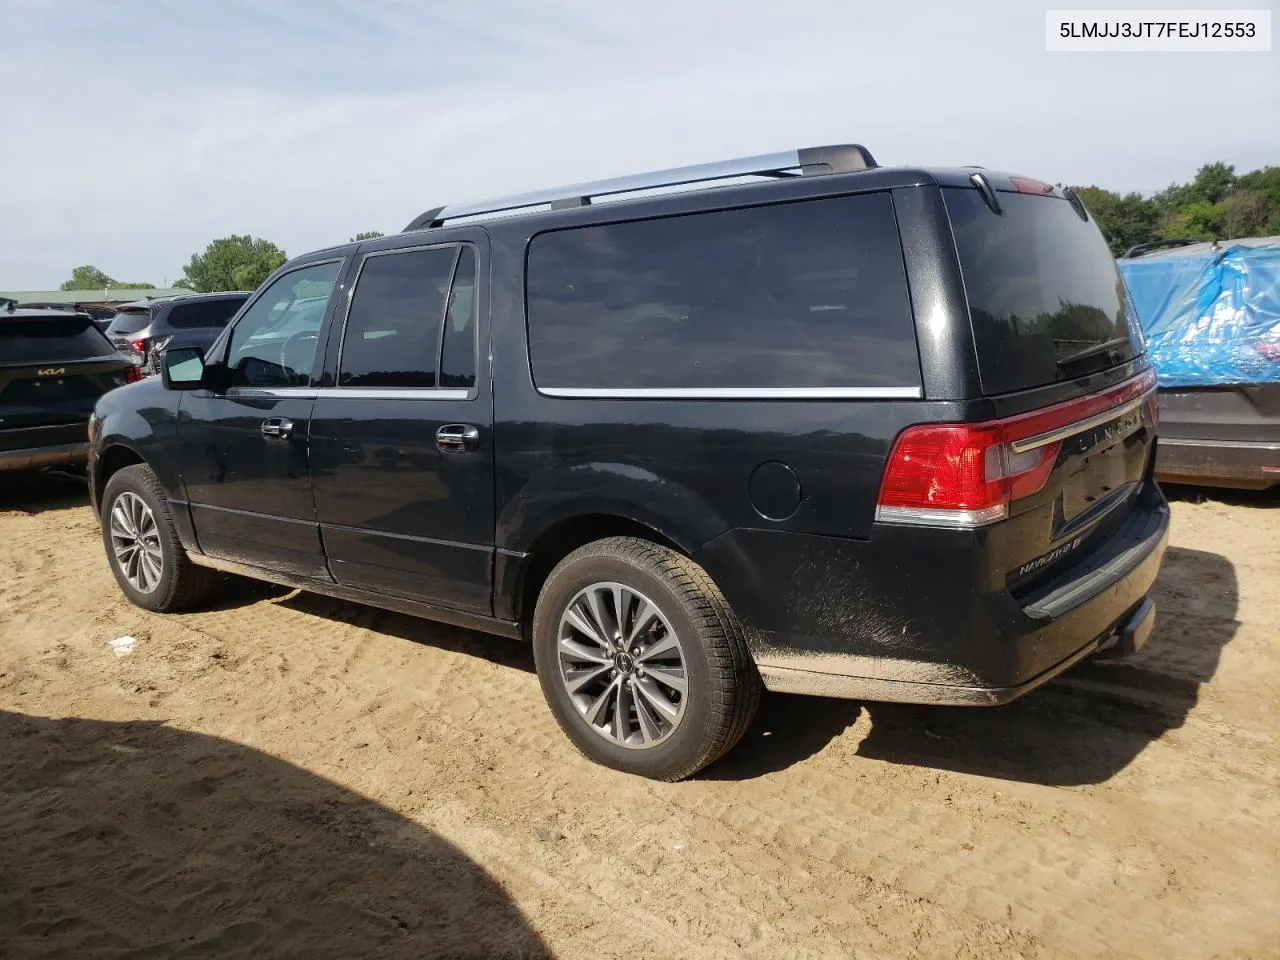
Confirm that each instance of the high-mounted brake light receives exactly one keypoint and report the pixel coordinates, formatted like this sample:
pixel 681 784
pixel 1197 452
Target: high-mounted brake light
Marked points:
pixel 966 474
pixel 1026 185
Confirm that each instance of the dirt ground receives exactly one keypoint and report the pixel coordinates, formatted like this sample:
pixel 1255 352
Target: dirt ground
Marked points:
pixel 287 775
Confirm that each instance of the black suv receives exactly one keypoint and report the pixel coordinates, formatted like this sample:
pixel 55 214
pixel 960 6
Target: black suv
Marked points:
pixel 840 429
pixel 54 364
pixel 148 327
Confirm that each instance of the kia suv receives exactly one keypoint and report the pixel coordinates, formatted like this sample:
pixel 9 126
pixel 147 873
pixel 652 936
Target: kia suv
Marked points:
pixel 54 365
pixel 794 422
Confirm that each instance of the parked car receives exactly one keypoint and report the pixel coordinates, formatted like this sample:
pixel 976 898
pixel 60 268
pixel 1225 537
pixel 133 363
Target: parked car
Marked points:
pixel 1211 312
pixel 102 316
pixel 844 430
pixel 147 327
pixel 54 365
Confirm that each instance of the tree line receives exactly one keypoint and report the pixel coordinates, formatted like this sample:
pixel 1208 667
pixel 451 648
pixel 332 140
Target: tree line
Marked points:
pixel 237 262
pixel 1217 204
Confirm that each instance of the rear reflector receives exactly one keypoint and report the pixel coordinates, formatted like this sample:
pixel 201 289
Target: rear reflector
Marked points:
pixel 132 373
pixel 967 474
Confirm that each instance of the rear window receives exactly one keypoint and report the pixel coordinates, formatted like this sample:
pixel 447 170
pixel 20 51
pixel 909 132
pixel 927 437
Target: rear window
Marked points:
pixel 204 313
pixel 798 295
pixel 129 321
pixel 51 339
pixel 1045 297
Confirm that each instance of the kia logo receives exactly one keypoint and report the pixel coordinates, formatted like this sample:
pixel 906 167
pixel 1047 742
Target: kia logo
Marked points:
pixel 51 372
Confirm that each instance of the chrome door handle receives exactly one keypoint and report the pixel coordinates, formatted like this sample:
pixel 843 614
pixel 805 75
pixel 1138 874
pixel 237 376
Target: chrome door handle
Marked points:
pixel 457 438
pixel 277 428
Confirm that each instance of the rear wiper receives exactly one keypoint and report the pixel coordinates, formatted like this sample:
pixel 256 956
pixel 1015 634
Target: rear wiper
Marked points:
pixel 1105 347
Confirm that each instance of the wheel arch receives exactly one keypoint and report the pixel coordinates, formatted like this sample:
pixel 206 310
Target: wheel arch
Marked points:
pixel 114 456
pixel 529 571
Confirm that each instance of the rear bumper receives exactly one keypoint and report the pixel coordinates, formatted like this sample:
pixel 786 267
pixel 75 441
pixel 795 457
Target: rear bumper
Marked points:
pixel 1248 463
pixel 43 456
pixel 911 620
pixel 1125 638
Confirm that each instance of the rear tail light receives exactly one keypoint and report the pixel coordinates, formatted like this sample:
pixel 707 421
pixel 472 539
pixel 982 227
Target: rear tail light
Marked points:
pixel 967 474
pixel 139 346
pixel 132 373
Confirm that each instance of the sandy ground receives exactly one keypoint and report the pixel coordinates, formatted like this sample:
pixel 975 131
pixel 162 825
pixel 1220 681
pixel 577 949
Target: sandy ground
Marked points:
pixel 287 775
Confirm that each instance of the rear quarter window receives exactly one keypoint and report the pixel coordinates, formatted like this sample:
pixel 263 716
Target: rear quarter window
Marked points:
pixel 799 295
pixel 204 313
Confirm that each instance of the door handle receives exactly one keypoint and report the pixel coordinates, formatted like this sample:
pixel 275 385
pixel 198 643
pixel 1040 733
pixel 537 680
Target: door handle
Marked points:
pixel 457 438
pixel 277 428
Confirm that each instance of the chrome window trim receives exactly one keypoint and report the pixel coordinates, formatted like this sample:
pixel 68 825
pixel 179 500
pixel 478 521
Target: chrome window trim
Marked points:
pixel 733 393
pixel 1080 426
pixel 349 393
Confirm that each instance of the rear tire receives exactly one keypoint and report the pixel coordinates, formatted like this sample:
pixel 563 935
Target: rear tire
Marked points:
pixel 142 545
pixel 661 689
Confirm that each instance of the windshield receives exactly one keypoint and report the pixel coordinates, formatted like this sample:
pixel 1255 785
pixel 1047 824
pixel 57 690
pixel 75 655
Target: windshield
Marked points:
pixel 1046 300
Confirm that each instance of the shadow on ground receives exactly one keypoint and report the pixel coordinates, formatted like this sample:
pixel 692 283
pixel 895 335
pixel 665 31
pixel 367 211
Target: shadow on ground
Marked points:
pixel 1187 493
pixel 140 840
pixel 35 491
pixel 1083 728
pixel 503 651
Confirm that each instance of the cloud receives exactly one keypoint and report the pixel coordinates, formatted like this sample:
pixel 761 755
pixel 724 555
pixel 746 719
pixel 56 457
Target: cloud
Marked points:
pixel 143 130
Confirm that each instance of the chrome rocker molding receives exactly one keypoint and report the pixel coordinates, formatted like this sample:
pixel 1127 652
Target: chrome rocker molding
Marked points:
pixel 414 608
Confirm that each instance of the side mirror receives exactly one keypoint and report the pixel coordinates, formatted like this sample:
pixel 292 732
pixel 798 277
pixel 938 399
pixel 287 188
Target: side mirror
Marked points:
pixel 182 368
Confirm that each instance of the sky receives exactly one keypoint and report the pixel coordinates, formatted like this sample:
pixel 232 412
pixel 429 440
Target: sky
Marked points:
pixel 132 133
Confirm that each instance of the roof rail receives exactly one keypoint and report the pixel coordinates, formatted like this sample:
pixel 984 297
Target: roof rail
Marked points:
pixel 1142 249
pixel 808 161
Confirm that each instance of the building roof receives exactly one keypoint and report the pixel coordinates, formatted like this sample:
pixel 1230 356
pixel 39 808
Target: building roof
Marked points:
pixel 112 295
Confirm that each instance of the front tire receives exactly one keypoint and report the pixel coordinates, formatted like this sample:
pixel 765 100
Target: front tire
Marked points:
pixel 642 660
pixel 149 562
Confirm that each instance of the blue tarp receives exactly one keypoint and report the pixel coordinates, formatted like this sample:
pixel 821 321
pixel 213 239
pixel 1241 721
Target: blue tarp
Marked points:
pixel 1210 316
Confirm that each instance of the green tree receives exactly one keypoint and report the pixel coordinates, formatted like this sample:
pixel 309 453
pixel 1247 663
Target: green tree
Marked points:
pixel 1124 221
pixel 1267 182
pixel 367 235
pixel 1244 213
pixel 1197 221
pixel 91 278
pixel 1213 182
pixel 88 278
pixel 232 263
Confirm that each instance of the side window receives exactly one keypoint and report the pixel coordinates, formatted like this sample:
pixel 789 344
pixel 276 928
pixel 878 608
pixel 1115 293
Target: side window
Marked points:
pixel 458 348
pixel 795 295
pixel 274 344
pixel 205 313
pixel 392 336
